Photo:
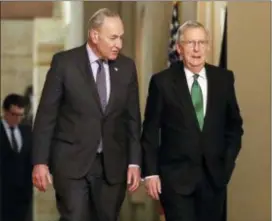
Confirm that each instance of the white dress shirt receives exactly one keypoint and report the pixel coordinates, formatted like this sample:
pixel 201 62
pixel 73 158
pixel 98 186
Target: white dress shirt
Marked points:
pixel 17 134
pixel 94 65
pixel 202 80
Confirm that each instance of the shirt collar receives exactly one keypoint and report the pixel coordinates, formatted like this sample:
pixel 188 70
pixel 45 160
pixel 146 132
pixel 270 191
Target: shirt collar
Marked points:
pixel 189 74
pixel 6 125
pixel 92 56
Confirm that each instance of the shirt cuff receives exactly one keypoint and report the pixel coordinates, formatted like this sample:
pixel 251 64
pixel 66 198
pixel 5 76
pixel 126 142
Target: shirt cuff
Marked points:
pixel 153 176
pixel 133 165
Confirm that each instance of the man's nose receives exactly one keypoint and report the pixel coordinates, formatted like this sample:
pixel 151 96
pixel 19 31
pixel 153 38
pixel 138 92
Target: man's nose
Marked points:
pixel 118 43
pixel 196 46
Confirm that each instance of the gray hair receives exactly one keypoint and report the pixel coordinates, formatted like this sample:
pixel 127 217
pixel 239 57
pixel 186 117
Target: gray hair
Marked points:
pixel 99 16
pixel 189 24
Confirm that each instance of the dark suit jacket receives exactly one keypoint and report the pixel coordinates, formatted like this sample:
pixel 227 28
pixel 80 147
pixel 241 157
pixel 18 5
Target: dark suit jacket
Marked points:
pixel 70 122
pixel 16 175
pixel 178 156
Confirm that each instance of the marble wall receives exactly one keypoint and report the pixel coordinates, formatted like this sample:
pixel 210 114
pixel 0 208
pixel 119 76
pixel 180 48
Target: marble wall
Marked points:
pixel 48 38
pixel 16 56
pixel 17 53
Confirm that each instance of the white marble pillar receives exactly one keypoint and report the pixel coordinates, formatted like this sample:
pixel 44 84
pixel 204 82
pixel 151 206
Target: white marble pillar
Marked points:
pixel 48 38
pixel 73 16
pixel 211 15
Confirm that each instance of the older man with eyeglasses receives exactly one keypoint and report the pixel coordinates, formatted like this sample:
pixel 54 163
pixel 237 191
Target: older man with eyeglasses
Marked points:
pixel 192 110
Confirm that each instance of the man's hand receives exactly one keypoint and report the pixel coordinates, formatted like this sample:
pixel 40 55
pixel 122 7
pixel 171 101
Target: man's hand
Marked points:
pixel 41 177
pixel 153 187
pixel 133 178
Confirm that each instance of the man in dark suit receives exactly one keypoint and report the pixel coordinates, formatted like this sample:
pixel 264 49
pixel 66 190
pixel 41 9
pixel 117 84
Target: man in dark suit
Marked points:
pixel 87 127
pixel 191 133
pixel 15 160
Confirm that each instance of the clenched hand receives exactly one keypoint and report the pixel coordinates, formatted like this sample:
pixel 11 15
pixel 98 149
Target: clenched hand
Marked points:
pixel 41 177
pixel 133 178
pixel 153 187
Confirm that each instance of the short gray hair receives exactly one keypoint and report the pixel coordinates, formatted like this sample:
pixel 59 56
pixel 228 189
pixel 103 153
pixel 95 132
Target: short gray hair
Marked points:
pixel 99 16
pixel 189 24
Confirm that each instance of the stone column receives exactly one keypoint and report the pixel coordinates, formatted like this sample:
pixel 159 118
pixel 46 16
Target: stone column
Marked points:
pixel 48 38
pixel 210 15
pixel 73 17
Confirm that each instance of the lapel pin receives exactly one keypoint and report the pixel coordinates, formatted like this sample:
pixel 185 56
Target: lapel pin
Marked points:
pixel 115 68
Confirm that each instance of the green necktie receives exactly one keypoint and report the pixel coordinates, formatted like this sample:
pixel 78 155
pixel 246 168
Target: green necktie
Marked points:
pixel 197 100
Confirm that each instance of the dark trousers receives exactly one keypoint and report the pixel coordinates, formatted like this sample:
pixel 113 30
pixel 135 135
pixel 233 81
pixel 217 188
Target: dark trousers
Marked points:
pixel 90 198
pixel 206 203
pixel 16 206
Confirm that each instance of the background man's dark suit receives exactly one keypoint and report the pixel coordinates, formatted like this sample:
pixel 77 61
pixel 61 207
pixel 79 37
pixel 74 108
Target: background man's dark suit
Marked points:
pixel 70 122
pixel 16 180
pixel 185 152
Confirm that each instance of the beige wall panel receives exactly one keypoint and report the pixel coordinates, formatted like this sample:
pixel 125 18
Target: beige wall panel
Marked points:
pixel 249 56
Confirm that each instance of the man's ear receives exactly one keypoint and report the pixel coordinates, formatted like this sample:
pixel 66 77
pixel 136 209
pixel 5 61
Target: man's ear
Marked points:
pixel 179 48
pixel 93 34
pixel 208 47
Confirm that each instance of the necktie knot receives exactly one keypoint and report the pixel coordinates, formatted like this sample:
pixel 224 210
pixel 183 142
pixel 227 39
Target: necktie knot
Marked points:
pixel 100 61
pixel 196 76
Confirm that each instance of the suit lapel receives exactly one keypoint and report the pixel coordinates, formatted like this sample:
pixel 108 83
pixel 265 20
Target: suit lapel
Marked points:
pixel 182 92
pixel 211 85
pixel 24 137
pixel 4 136
pixel 86 71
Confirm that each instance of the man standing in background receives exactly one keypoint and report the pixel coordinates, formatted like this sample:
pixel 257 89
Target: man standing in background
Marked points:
pixel 15 160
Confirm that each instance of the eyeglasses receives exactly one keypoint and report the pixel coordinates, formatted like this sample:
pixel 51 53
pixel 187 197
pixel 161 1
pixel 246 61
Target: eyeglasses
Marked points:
pixel 192 44
pixel 17 114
